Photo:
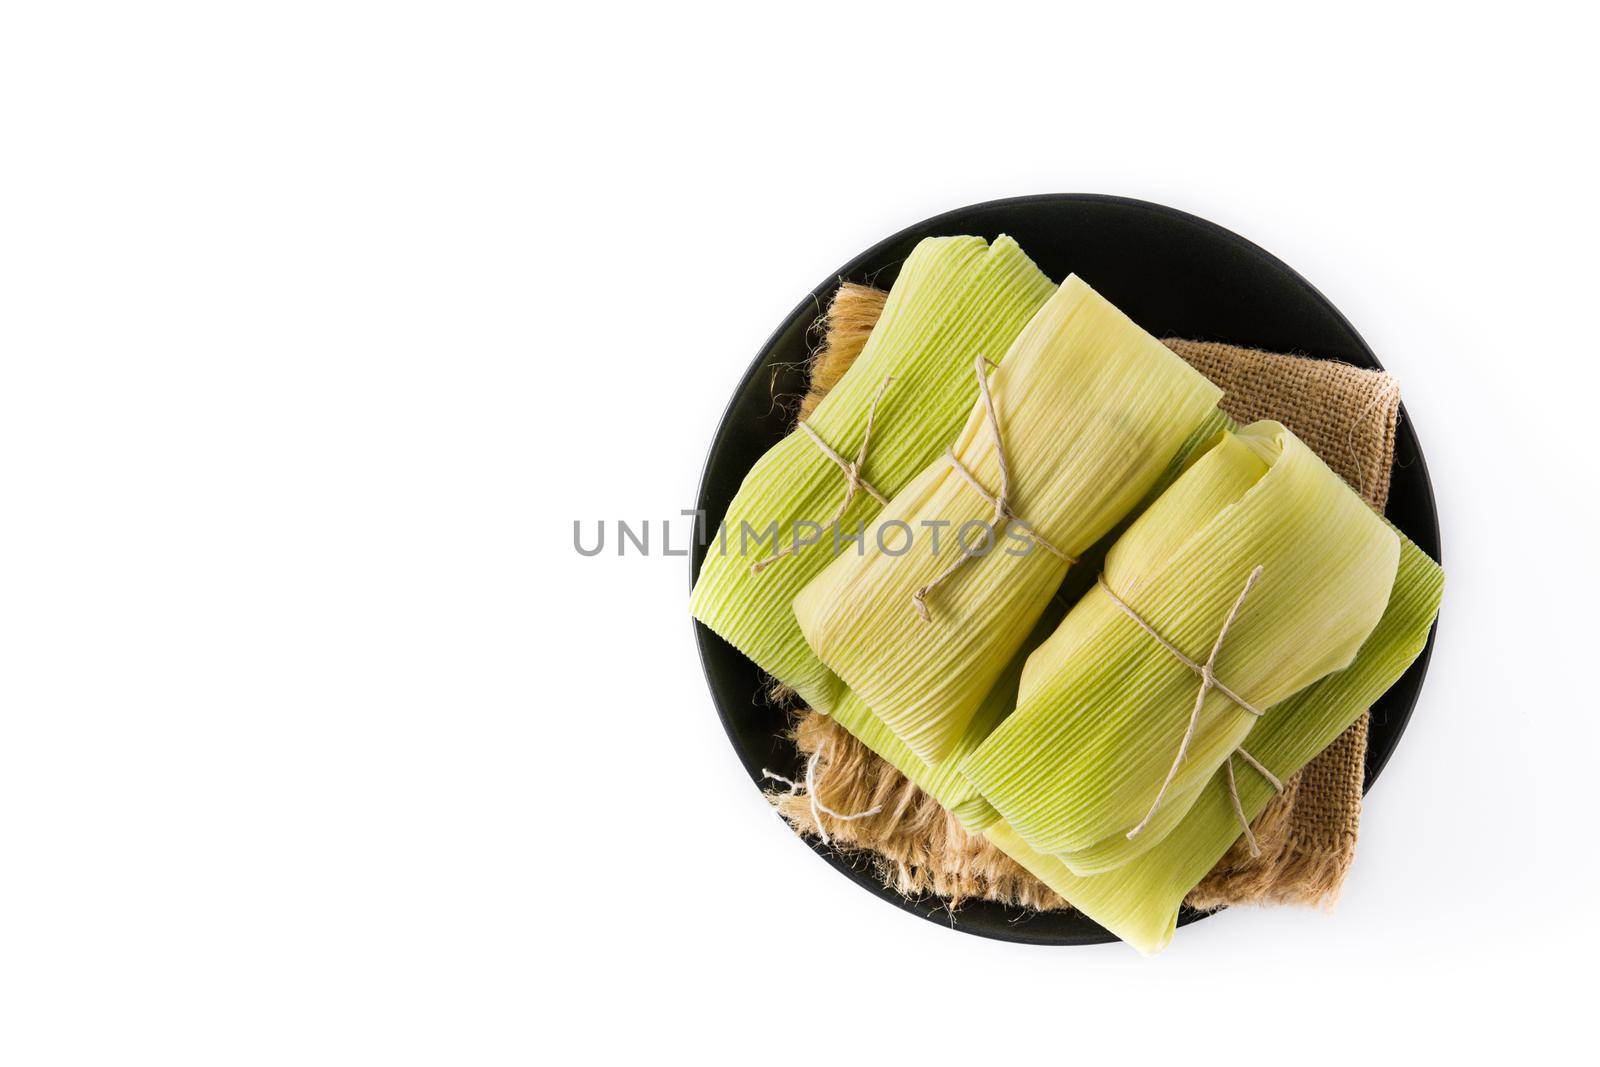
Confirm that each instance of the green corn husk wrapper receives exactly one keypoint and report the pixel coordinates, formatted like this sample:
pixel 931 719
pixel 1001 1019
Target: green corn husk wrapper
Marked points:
pixel 954 297
pixel 1103 706
pixel 1139 901
pixel 1092 411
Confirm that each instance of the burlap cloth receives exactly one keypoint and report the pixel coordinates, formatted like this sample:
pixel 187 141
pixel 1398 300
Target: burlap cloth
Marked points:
pixel 1307 834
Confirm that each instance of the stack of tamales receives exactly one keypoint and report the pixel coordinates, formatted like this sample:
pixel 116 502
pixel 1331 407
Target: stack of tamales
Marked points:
pixel 1088 413
pixel 1250 605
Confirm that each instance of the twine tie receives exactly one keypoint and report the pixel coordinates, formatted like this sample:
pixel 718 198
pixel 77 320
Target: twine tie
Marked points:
pixel 853 482
pixel 1208 681
pixel 1000 502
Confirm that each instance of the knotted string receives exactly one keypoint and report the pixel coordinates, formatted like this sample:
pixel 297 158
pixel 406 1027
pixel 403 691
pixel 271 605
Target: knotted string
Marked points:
pixel 1238 805
pixel 852 476
pixel 1208 681
pixel 1003 515
pixel 817 806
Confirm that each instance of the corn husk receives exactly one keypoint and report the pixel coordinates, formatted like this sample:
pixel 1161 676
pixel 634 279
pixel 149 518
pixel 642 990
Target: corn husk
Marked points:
pixel 1103 706
pixel 942 781
pixel 954 297
pixel 1139 901
pixel 1091 410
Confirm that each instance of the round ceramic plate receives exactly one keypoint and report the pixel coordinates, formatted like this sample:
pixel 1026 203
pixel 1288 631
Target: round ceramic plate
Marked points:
pixel 1173 274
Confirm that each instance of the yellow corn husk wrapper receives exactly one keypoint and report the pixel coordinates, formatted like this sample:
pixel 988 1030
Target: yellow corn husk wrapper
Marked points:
pixel 1091 411
pixel 954 297
pixel 1103 706
pixel 1139 901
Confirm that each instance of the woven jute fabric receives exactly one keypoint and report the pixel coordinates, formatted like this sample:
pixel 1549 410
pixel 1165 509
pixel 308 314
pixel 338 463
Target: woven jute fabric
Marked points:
pixel 1307 834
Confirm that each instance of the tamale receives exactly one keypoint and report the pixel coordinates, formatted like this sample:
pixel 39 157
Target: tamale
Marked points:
pixel 1090 412
pixel 1109 746
pixel 1139 901
pixel 954 297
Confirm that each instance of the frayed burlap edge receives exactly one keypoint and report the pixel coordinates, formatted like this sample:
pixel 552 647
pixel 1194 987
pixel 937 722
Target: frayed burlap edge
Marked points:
pixel 1307 834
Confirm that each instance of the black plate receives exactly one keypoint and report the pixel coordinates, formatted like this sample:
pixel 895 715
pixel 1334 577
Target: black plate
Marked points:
pixel 1175 275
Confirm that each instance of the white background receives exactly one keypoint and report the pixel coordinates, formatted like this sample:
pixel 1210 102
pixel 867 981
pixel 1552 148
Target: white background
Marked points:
pixel 322 322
